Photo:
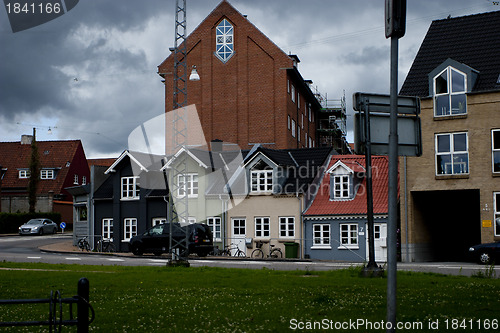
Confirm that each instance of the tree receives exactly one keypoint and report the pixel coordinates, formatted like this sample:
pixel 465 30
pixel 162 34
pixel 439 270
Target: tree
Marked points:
pixel 34 174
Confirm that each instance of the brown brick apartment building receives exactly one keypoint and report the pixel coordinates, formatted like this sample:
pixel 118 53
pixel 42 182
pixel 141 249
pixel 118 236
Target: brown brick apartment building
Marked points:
pixel 451 194
pixel 250 91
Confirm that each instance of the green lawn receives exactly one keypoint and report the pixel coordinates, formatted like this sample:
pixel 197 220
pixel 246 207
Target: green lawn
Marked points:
pixel 160 299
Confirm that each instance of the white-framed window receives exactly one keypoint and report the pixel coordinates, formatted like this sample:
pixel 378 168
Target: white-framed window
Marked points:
pixel 81 213
pixel 293 93
pixel 289 122
pixel 310 142
pixel 349 235
pixel 239 226
pixel 158 220
pixel 224 38
pixel 262 227
pixel 341 186
pixel 449 93
pixel 25 173
pixel 216 226
pixel 261 181
pixel 107 229
pixel 187 184
pixel 321 236
pixel 130 228
pixel 287 227
pixel 84 180
pixel 47 174
pixel 496 203
pixel 495 150
pixel 452 154
pixel 293 127
pixel 309 111
pixel 75 179
pixel 130 188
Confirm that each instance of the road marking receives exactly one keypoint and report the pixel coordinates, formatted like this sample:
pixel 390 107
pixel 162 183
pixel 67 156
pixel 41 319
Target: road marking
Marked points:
pixel 73 258
pixel 34 257
pixel 115 259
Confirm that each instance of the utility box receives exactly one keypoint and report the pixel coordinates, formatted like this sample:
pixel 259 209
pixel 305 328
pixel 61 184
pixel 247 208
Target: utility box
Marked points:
pixel 291 250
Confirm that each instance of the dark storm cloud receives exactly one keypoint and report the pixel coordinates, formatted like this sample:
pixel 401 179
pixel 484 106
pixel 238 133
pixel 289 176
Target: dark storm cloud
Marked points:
pixel 92 71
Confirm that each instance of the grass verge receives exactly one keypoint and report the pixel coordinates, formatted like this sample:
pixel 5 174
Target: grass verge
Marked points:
pixel 160 299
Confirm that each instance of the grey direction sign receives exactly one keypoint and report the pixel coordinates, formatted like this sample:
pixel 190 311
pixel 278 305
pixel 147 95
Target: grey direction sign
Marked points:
pixel 378 108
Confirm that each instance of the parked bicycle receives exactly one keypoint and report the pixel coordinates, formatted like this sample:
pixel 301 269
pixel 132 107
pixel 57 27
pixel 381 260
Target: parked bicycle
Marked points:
pixel 83 244
pixel 106 245
pixel 232 250
pixel 274 253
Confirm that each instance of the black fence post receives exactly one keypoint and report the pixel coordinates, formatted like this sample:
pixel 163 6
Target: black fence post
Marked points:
pixel 83 306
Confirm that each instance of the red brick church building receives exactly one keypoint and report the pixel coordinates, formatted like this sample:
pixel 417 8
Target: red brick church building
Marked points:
pixel 249 91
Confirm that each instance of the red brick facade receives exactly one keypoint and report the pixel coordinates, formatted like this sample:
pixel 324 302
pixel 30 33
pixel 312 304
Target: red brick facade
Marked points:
pixel 248 99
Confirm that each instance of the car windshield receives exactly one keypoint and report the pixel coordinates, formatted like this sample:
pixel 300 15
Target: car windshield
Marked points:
pixel 34 221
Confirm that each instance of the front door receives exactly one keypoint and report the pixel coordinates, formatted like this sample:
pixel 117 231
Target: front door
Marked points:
pixel 380 242
pixel 238 227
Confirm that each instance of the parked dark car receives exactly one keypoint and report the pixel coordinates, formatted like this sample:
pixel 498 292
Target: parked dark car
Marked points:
pixel 485 253
pixel 38 226
pixel 156 239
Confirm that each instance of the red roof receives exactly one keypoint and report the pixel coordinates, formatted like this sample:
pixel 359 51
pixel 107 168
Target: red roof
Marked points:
pixel 323 205
pixel 62 156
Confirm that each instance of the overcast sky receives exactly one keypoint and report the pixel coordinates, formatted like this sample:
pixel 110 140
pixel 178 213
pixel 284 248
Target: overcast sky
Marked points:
pixel 91 73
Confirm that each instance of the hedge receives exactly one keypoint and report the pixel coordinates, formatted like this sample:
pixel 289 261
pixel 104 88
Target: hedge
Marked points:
pixel 10 223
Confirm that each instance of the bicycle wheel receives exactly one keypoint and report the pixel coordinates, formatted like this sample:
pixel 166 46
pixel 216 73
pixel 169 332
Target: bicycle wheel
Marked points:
pixel 276 253
pixel 257 254
pixel 240 254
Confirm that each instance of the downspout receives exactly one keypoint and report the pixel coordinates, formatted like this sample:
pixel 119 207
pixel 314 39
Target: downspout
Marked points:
pixel 406 213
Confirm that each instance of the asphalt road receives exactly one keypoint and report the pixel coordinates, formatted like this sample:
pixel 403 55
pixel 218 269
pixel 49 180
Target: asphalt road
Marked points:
pixel 27 249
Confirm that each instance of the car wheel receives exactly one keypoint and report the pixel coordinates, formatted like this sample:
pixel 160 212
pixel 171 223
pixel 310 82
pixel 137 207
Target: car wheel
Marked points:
pixel 136 250
pixel 484 258
pixel 40 232
pixel 54 230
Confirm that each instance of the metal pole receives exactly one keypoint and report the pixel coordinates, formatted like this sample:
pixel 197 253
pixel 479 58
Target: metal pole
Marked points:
pixel 83 307
pixel 393 191
pixel 369 190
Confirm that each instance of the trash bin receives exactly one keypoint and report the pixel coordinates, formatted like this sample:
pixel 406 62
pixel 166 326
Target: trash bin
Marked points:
pixel 291 250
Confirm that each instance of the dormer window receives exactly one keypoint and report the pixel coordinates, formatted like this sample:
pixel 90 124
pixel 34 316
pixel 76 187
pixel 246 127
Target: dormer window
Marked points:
pixel 261 177
pixel 341 186
pixel 47 174
pixel 450 86
pixel 224 46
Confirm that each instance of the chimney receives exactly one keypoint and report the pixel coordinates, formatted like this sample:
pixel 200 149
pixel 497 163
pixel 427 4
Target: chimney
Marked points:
pixel 26 139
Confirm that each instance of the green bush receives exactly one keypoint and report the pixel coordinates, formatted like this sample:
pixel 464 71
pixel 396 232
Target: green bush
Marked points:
pixel 10 223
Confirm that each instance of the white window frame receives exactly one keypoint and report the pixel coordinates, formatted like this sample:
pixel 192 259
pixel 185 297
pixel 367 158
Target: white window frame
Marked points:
pixel 158 220
pixel 287 226
pixel 449 92
pixel 84 180
pixel 293 93
pixel 129 228
pixel 261 179
pixel 215 224
pixel 496 217
pixel 263 227
pixel 107 228
pixel 452 153
pixel 75 179
pixel 130 188
pixel 494 150
pixel 239 226
pixel 224 40
pixel 293 128
pixel 191 186
pixel 321 236
pixel 47 174
pixel 341 186
pixel 349 236
pixel 24 174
